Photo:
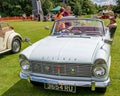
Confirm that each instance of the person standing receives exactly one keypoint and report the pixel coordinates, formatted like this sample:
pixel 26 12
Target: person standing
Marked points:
pixel 24 16
pixel 0 17
pixel 32 17
pixel 112 27
pixel 67 11
pixel 115 15
pixel 59 15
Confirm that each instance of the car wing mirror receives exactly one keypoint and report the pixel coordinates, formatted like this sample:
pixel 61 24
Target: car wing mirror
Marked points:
pixel 27 40
pixel 47 28
pixel 11 27
pixel 108 41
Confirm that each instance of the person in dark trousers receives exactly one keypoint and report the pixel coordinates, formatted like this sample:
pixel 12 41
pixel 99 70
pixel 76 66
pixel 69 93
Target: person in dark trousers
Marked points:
pixel 112 27
pixel 24 16
pixel 38 17
pixel 0 18
pixel 115 15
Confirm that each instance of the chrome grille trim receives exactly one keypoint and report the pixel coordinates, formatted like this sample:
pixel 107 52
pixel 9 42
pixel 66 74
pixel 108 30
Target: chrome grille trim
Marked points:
pixel 61 69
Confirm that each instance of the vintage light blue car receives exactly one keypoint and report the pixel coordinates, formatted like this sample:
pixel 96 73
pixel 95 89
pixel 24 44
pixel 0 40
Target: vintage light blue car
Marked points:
pixel 76 53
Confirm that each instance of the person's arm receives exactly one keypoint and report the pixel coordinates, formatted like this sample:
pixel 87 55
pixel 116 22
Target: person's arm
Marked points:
pixel 112 25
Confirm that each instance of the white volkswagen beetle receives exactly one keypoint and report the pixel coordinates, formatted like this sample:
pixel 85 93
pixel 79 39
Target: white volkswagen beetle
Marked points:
pixel 76 53
pixel 9 39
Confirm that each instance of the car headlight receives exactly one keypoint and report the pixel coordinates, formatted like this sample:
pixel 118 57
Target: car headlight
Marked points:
pixel 24 63
pixel 99 68
pixel 99 71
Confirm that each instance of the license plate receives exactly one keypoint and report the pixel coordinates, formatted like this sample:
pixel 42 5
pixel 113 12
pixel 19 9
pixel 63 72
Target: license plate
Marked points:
pixel 66 88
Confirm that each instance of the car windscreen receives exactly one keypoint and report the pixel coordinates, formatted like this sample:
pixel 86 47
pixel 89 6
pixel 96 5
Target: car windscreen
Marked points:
pixel 78 26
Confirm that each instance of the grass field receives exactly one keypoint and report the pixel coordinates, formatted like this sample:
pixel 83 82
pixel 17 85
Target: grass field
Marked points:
pixel 12 85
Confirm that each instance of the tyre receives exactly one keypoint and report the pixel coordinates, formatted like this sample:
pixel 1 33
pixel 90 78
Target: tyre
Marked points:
pixel 101 90
pixel 16 45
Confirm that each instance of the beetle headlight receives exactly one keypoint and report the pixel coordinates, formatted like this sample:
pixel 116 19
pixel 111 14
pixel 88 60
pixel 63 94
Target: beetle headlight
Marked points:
pixel 24 63
pixel 99 68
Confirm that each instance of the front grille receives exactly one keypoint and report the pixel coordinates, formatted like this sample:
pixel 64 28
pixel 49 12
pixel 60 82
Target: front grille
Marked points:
pixel 61 69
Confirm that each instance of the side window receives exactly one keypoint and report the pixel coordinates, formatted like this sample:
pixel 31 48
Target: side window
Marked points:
pixel 0 27
pixel 4 26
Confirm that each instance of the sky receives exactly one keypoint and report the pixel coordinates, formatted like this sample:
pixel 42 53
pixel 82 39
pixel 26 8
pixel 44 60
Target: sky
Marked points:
pixel 105 2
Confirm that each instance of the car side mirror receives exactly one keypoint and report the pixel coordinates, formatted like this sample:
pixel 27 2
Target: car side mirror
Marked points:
pixel 27 40
pixel 47 28
pixel 11 27
pixel 108 41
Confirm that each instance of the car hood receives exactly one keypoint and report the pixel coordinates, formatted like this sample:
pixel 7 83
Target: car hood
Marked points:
pixel 71 50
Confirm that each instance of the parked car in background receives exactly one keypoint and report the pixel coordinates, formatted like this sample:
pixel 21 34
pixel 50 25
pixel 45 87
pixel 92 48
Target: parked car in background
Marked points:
pixel 106 14
pixel 9 39
pixel 77 53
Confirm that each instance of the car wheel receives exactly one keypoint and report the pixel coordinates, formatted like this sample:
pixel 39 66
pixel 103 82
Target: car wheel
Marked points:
pixel 16 45
pixel 101 90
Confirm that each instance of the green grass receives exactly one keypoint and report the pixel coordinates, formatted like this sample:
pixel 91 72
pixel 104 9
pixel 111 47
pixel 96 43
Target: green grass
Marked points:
pixel 12 85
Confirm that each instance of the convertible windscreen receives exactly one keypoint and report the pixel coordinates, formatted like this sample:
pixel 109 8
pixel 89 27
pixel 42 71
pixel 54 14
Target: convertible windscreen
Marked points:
pixel 77 27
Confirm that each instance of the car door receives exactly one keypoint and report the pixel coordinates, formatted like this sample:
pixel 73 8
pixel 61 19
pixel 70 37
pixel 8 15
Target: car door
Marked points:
pixel 4 28
pixel 1 39
pixel 107 34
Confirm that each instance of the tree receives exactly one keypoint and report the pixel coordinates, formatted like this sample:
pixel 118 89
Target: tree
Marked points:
pixel 89 7
pixel 77 8
pixel 116 9
pixel 15 7
pixel 46 6
pixel 18 7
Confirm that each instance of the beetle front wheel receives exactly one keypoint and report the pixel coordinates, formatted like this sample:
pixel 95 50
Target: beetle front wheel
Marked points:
pixel 16 45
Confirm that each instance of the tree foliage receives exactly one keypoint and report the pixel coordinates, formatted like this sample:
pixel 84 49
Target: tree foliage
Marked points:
pixel 15 7
pixel 117 8
pixel 79 7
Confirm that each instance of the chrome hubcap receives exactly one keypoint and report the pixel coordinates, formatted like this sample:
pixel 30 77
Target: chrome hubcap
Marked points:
pixel 16 46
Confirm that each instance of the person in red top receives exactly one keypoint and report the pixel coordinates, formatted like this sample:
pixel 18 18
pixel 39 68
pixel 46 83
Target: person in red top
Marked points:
pixel 67 11
pixel 59 15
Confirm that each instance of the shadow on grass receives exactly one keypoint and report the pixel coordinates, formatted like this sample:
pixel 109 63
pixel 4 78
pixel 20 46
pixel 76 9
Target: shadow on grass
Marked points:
pixel 24 88
pixel 6 54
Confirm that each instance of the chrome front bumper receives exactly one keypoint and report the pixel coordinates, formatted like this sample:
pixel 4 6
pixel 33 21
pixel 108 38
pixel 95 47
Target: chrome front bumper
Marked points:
pixel 82 83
